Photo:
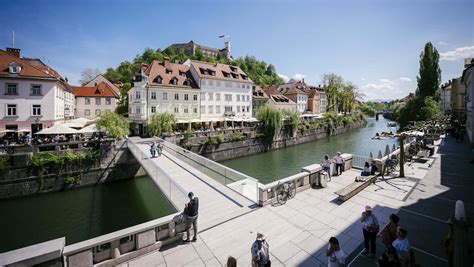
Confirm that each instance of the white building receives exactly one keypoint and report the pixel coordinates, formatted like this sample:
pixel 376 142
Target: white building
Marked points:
pixel 163 87
pixel 446 97
pixel 91 101
pixel 226 91
pixel 294 90
pixel 468 82
pixel 33 95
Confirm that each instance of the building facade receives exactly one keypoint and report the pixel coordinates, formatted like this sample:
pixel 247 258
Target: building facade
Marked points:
pixel 92 101
pixel 281 102
pixel 101 79
pixel 190 48
pixel 458 100
pixel 468 82
pixel 295 90
pixel 163 87
pixel 34 96
pixel 226 91
pixel 259 99
pixel 446 97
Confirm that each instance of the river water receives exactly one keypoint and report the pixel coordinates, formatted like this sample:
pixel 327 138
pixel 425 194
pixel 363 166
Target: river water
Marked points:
pixel 80 214
pixel 271 166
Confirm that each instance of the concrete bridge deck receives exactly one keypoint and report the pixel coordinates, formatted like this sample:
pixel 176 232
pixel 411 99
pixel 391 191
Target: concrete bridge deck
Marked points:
pixel 297 232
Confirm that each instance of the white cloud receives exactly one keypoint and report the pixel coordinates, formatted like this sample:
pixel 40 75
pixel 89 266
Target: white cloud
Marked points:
pixel 363 79
pixel 298 76
pixel 405 79
pixel 385 89
pixel 284 77
pixel 442 43
pixel 458 53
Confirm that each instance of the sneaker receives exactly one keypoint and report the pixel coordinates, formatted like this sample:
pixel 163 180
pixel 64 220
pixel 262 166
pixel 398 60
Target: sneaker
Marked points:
pixel 194 239
pixel 187 241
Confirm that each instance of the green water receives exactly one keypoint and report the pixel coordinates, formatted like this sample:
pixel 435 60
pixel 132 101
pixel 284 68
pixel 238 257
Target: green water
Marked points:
pixel 270 166
pixel 80 214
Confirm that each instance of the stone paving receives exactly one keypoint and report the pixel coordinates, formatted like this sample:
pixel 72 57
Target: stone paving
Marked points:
pixel 297 231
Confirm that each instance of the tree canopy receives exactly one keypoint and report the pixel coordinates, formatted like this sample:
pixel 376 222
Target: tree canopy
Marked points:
pixel 342 95
pixel 114 123
pixel 88 74
pixel 161 123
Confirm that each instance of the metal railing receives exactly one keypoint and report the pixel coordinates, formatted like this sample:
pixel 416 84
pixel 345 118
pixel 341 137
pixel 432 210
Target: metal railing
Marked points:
pixel 237 181
pixel 173 191
pixel 359 161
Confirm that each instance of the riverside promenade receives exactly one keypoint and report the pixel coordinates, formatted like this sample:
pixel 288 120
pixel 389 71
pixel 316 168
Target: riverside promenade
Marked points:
pixel 297 232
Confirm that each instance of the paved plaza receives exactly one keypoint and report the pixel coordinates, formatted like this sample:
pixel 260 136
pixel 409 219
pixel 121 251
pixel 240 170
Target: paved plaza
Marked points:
pixel 298 231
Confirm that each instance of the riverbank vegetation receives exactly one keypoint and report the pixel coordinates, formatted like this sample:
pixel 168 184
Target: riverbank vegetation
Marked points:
pixel 116 125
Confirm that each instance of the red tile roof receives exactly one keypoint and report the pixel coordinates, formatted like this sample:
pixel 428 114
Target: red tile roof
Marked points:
pixel 168 71
pixel 220 72
pixel 101 90
pixel 29 67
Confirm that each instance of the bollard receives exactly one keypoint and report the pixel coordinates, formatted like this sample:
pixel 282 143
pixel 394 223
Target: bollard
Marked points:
pixel 461 237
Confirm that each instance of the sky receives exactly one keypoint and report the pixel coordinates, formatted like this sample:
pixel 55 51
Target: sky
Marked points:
pixel 373 44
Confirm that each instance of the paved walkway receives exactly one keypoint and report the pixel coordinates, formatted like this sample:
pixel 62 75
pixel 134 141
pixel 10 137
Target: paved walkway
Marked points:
pixel 297 232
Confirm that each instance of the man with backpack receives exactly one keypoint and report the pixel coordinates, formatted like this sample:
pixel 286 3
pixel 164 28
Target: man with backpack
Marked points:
pixel 260 252
pixel 191 214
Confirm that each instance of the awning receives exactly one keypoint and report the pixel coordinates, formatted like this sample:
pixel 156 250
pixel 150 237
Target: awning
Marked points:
pixel 80 121
pixel 73 125
pixel 89 129
pixel 57 129
pixel 7 131
pixel 23 131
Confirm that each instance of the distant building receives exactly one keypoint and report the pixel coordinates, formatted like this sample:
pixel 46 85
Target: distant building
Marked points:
pixel 226 91
pixel 468 82
pixel 446 97
pixel 99 79
pixel 191 47
pixel 163 87
pixel 458 100
pixel 92 101
pixel 279 101
pixel 317 100
pixel 259 99
pixel 294 90
pixel 34 96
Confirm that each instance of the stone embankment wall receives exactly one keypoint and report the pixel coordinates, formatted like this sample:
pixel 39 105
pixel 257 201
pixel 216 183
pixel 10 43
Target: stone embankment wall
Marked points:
pixel 116 163
pixel 254 145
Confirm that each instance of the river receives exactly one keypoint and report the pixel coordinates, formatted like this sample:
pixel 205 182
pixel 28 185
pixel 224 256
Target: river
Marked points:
pixel 276 164
pixel 80 214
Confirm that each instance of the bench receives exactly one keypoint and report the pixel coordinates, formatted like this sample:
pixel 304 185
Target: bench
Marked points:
pixel 355 187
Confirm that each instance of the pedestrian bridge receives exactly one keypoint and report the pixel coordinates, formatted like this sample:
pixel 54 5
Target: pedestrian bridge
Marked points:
pixel 223 193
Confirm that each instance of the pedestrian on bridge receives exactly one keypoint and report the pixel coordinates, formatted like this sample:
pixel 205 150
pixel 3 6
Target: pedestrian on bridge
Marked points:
pixel 191 212
pixel 153 148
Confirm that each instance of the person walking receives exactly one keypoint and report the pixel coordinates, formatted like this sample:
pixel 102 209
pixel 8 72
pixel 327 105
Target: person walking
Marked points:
pixel 260 252
pixel 402 246
pixel 191 213
pixel 389 233
pixel 326 163
pixel 153 147
pixel 339 164
pixel 336 257
pixel 370 228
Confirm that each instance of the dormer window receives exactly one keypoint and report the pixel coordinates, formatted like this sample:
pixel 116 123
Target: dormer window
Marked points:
pixel 174 81
pixel 226 74
pixel 14 68
pixel 235 76
pixel 234 69
pixel 244 77
pixel 169 71
pixel 158 79
pixel 182 73
pixel 187 82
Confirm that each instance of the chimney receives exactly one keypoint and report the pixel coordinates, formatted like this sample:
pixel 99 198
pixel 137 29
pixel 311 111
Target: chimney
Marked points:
pixel 14 51
pixel 166 61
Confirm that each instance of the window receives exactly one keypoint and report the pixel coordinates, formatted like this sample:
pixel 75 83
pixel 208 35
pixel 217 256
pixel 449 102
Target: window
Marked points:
pixel 87 112
pixel 210 96
pixel 153 109
pixel 203 82
pixel 187 82
pixel 35 89
pixel 138 110
pixel 243 109
pixel 176 96
pixel 176 110
pixel 228 97
pixel 165 96
pixel 137 95
pixel 248 98
pixel 97 102
pixel 11 89
pixel 36 110
pixel 238 98
pixel 153 95
pixel 158 79
pixel 238 109
pixel 248 108
pixel 210 109
pixel 195 110
pixel 14 68
pixel 186 97
pixel 227 109
pixel 11 110
pixel 243 98
pixel 87 101
pixel 211 83
pixel 186 110
pixel 218 83
pixel 218 109
pixel 174 81
pixel 195 97
pixel 218 96
pixel 243 85
pixel 97 112
pixel 203 96
pixel 203 109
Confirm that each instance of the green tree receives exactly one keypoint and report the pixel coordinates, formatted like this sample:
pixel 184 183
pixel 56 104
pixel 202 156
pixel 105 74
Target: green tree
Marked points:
pixel 332 84
pixel 271 120
pixel 161 123
pixel 429 77
pixel 293 119
pixel 127 71
pixel 112 75
pixel 122 107
pixel 114 123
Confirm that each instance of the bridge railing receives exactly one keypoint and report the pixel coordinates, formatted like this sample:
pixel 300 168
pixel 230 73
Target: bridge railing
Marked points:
pixel 359 161
pixel 237 181
pixel 176 194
